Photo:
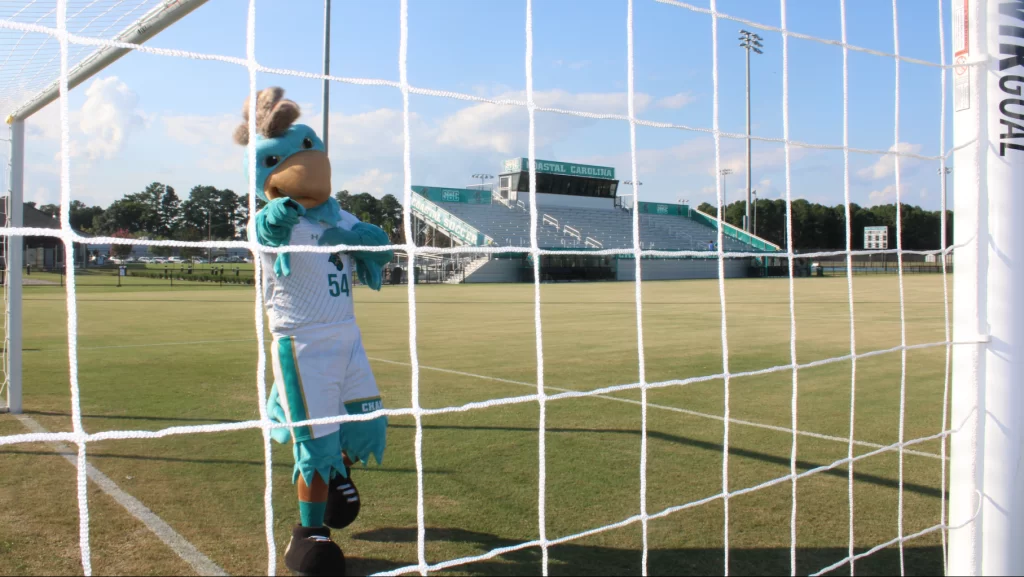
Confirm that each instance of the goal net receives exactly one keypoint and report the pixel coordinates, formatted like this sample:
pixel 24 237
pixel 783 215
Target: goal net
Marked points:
pixel 981 411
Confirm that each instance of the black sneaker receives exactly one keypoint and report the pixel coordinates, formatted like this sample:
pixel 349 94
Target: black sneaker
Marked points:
pixel 311 552
pixel 342 502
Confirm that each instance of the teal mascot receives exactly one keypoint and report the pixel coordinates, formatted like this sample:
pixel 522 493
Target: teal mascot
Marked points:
pixel 320 367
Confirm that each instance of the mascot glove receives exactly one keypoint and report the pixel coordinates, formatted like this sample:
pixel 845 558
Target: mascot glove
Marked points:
pixel 335 235
pixel 274 228
pixel 369 274
pixel 360 439
pixel 276 413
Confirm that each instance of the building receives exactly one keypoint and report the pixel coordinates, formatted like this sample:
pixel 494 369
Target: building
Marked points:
pixel 579 211
pixel 41 252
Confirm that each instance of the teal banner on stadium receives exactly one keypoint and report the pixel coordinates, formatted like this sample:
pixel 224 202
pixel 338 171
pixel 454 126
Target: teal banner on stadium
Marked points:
pixel 463 195
pixel 552 167
pixel 663 208
pixel 448 222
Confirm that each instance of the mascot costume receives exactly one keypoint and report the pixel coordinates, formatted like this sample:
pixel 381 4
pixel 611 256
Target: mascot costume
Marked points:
pixel 320 367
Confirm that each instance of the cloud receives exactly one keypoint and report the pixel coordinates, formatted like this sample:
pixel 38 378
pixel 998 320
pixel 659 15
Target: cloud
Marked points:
pixel 100 128
pixel 572 65
pixel 209 134
pixel 375 181
pixel 886 165
pixel 675 101
pixel 885 196
pixel 110 113
pixel 505 129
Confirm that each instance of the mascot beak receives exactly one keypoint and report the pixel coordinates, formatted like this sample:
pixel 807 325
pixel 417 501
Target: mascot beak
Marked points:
pixel 304 177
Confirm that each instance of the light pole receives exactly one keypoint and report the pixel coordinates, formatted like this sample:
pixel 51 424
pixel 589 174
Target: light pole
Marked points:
pixel 326 105
pixel 749 41
pixel 725 190
pixel 754 194
pixel 483 177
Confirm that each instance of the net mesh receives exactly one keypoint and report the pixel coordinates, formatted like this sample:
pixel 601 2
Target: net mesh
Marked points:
pixel 31 30
pixel 30 61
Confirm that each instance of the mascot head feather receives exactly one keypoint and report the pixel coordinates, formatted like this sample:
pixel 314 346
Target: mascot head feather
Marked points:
pixel 291 160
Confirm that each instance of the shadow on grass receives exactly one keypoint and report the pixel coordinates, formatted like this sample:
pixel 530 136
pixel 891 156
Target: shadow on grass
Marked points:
pixel 205 421
pixel 709 446
pixel 96 456
pixel 573 559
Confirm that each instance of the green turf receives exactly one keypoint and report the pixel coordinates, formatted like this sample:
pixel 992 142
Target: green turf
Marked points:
pixel 152 356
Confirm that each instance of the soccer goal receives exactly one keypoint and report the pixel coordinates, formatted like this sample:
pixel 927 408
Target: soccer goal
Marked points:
pixel 981 64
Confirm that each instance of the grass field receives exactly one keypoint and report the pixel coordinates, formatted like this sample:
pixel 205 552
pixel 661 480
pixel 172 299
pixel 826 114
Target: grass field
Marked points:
pixel 151 357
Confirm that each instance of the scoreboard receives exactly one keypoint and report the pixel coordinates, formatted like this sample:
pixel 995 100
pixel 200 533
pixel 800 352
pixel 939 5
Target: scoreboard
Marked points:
pixel 876 237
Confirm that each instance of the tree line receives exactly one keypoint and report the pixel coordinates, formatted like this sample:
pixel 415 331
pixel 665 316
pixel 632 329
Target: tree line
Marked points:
pixel 818 226
pixel 208 213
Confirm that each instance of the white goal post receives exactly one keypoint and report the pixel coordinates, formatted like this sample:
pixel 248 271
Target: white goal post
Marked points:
pixel 986 478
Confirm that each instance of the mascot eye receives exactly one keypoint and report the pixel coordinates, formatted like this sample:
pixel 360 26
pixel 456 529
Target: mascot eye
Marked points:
pixel 270 161
pixel 307 143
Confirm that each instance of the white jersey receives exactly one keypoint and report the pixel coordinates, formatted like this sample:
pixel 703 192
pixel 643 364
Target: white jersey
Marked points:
pixel 318 291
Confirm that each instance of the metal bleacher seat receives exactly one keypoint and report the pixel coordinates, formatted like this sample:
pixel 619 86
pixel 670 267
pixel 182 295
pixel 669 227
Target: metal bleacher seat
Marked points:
pixel 613 228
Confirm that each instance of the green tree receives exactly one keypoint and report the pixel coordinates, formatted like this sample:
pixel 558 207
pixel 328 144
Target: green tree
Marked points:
pixel 365 207
pixel 51 209
pixel 168 211
pixel 82 215
pixel 121 250
pixel 344 200
pixel 127 214
pixel 392 218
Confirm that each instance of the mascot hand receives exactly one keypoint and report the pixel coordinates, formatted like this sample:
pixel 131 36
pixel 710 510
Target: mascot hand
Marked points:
pixel 336 235
pixel 360 439
pixel 370 235
pixel 276 413
pixel 274 228
pixel 282 265
pixel 275 222
pixel 369 274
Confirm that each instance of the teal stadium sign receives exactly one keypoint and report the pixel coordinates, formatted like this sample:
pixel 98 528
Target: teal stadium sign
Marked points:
pixel 564 168
pixel 662 208
pixel 463 195
pixel 427 209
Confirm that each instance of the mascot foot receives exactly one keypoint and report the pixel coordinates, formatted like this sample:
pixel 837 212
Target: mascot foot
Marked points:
pixel 311 552
pixel 342 502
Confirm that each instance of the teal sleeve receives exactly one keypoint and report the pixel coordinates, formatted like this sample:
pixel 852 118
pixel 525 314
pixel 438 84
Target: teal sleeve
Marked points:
pixel 274 228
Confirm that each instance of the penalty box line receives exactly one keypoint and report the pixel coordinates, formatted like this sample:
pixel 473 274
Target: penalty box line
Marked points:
pixel 809 434
pixel 185 550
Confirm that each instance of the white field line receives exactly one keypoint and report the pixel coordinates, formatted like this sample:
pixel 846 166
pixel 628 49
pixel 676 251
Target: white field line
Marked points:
pixel 188 553
pixel 692 413
pixel 667 408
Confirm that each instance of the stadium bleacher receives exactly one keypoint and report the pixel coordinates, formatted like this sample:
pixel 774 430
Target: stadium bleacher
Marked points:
pixel 570 227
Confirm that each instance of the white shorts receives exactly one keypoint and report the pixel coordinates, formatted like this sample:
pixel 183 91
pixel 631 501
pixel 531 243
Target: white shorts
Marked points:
pixel 323 372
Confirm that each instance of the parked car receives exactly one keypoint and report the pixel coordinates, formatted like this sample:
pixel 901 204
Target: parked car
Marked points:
pixel 175 260
pixel 146 259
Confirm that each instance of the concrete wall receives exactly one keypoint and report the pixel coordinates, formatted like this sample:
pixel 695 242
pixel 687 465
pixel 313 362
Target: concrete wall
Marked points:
pixel 505 270
pixel 681 269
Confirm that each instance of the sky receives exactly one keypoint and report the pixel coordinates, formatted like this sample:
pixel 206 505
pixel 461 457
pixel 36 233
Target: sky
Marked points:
pixel 169 119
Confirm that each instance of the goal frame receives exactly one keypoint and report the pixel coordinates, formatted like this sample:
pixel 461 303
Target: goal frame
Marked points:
pixel 146 27
pixel 986 501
